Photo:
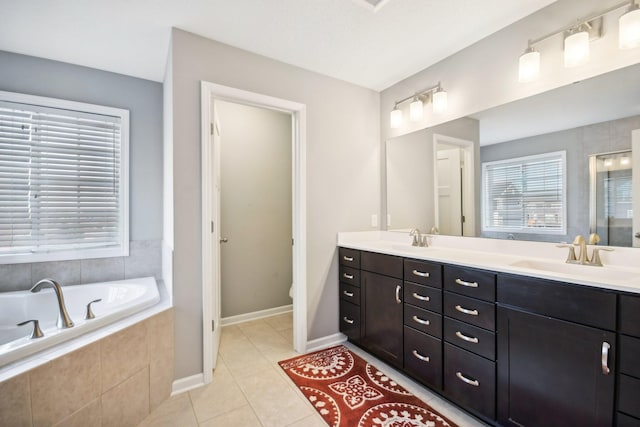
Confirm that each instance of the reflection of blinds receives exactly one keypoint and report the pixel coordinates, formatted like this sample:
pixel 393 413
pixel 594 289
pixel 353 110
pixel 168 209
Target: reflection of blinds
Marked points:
pixel 525 194
pixel 59 179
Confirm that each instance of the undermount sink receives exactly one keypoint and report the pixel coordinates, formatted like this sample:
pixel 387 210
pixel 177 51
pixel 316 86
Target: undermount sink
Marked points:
pixel 577 270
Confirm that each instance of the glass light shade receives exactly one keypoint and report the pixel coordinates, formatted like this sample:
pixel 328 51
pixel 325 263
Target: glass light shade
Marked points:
pixel 396 118
pixel 576 49
pixel 629 32
pixel 529 68
pixel 415 110
pixel 439 101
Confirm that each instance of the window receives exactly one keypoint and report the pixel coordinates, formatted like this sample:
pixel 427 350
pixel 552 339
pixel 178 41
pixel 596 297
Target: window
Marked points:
pixel 525 195
pixel 63 180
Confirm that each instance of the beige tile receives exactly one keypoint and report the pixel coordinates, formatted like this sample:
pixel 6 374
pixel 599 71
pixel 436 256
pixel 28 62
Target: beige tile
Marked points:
pixel 173 412
pixel 273 400
pixel 90 415
pixel 160 379
pixel 287 334
pixel 123 354
pixel 221 368
pixel 160 345
pixel 63 386
pixel 271 342
pixel 241 417
pixel 280 322
pixel 220 396
pixel 310 421
pixel 127 404
pixel 15 402
pixel 244 363
pixel 236 346
pixel 231 333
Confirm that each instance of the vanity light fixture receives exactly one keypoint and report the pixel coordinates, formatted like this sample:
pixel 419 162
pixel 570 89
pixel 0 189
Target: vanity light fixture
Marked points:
pixel 435 94
pixel 577 37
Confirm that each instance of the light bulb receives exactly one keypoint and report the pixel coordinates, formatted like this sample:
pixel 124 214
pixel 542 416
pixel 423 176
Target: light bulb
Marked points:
pixel 608 163
pixel 576 48
pixel 625 161
pixel 396 118
pixel 439 101
pixel 415 109
pixel 529 68
pixel 629 31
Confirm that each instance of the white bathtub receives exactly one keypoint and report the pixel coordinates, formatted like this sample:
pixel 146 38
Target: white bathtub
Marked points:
pixel 120 299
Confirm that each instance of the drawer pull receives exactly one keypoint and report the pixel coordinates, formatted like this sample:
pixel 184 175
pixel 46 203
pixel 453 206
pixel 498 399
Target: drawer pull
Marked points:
pixel 466 338
pixel 474 383
pixel 346 319
pixel 421 321
pixel 347 258
pixel 398 289
pixel 605 358
pixel 465 311
pixel 468 284
pixel 347 293
pixel 420 273
pixel 347 276
pixel 419 356
pixel 420 297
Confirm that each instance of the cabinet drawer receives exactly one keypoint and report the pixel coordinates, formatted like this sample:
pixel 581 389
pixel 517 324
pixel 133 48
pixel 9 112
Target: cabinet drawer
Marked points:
pixel 423 272
pixel 423 320
pixel 564 301
pixel 423 357
pixel 349 275
pixel 381 264
pixel 423 297
pixel 470 380
pixel 350 293
pixel 630 356
pixel 624 420
pixel 349 257
pixel 630 315
pixel 470 310
pixel 470 338
pixel 470 282
pixel 629 396
pixel 350 320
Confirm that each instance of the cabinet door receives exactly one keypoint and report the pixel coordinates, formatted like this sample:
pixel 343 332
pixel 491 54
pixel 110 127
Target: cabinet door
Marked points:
pixel 382 323
pixel 552 372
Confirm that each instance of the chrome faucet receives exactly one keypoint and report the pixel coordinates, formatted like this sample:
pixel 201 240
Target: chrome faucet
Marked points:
pixel 418 239
pixel 583 257
pixel 64 321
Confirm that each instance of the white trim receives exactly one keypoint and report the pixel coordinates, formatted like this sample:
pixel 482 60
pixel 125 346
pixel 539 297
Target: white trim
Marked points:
pixel 261 314
pixel 325 342
pixel 187 383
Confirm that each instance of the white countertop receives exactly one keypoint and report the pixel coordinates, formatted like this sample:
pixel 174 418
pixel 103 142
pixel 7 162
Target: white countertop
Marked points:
pixel 621 270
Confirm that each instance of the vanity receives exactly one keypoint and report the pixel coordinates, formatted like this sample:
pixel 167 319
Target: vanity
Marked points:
pixel 504 329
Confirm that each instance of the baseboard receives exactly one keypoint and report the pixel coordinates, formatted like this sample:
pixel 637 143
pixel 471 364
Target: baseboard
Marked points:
pixel 226 321
pixel 188 383
pixel 324 342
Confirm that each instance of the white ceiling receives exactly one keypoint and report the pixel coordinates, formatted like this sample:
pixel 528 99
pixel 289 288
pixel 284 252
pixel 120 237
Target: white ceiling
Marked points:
pixel 339 38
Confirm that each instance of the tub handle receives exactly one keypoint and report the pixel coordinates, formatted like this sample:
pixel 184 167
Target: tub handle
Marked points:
pixel 90 314
pixel 37 332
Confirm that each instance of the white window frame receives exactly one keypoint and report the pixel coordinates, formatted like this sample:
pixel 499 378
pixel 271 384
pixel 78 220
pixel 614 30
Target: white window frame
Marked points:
pixel 525 230
pixel 82 253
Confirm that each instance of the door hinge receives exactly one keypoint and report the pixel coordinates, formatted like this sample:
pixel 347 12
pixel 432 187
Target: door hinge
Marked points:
pixel 212 227
pixel 463 219
pixel 211 128
pixel 213 325
pixel 292 242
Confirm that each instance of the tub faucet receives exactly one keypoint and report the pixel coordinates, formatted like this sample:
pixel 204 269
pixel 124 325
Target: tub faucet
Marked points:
pixel 64 321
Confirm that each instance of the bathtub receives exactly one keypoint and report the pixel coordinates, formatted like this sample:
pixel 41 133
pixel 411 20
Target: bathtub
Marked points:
pixel 120 299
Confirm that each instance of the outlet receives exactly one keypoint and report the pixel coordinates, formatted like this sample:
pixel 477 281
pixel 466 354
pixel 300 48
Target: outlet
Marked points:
pixel 374 220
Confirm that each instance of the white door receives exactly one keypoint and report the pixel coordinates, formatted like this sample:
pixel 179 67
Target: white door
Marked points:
pixel 450 192
pixel 635 156
pixel 216 227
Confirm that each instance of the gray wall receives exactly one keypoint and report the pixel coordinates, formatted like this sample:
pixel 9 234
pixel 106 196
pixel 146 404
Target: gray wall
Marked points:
pixel 256 262
pixel 343 174
pixel 579 143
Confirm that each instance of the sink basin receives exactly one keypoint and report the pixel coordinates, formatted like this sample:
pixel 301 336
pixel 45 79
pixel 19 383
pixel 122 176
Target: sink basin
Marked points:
pixel 587 271
pixel 415 249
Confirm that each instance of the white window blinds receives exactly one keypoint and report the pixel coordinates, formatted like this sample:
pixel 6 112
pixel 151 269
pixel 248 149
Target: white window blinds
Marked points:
pixel 525 195
pixel 61 180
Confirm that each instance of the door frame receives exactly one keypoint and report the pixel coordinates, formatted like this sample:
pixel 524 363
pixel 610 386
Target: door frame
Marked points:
pixel 210 309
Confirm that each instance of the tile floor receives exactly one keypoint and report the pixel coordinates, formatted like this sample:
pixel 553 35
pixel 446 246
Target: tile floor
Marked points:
pixel 250 390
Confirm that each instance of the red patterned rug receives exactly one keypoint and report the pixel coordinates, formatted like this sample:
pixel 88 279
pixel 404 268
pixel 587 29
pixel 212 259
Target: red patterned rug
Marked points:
pixel 349 392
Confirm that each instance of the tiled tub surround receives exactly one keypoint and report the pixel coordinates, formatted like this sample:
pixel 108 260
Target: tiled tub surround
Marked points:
pixel 114 381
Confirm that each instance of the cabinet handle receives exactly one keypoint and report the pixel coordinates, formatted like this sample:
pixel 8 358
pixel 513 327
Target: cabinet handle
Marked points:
pixel 474 383
pixel 421 321
pixel 346 319
pixel 347 258
pixel 347 293
pixel 420 297
pixel 420 273
pixel 347 276
pixel 419 356
pixel 465 311
pixel 398 289
pixel 466 338
pixel 605 358
pixel 468 284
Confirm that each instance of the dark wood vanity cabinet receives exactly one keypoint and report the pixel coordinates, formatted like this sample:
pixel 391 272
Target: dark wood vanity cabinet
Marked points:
pixel 629 348
pixel 349 287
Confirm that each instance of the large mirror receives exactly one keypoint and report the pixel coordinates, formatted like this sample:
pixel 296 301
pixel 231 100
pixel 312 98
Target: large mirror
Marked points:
pixel 544 168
